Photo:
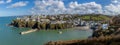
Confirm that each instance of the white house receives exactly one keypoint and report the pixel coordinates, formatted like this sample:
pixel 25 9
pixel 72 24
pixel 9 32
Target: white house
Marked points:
pixel 104 26
pixel 18 18
pixel 44 20
pixel 27 19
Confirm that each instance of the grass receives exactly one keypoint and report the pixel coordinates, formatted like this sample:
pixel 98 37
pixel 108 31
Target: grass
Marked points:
pixel 94 17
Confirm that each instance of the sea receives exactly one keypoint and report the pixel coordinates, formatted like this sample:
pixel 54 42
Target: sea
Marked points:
pixel 11 35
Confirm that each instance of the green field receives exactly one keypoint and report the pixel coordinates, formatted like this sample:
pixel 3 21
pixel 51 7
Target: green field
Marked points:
pixel 94 17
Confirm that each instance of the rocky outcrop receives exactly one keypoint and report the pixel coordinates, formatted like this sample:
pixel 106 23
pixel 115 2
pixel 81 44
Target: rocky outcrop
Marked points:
pixel 102 40
pixel 112 29
pixel 99 33
pixel 115 21
pixel 38 25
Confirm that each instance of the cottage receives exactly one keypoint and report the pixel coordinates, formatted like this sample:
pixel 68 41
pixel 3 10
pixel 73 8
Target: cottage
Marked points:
pixel 60 22
pixel 53 22
pixel 33 20
pixel 53 18
pixel 27 19
pixel 45 20
pixel 18 18
pixel 104 26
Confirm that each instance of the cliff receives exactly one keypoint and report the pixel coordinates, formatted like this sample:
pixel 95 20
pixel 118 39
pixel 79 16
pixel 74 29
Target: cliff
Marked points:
pixel 38 25
pixel 103 40
pixel 55 21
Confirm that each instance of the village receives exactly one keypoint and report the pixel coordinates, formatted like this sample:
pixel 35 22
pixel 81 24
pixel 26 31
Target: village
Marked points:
pixel 107 35
pixel 103 30
pixel 57 22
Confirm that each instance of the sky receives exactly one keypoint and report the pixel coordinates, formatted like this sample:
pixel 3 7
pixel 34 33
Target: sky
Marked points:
pixel 37 7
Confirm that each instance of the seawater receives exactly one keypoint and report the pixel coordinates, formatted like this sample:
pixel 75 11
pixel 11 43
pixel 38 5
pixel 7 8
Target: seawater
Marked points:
pixel 10 35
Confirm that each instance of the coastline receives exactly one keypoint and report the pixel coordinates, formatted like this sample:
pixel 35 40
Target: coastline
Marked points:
pixel 102 40
pixel 35 22
pixel 34 30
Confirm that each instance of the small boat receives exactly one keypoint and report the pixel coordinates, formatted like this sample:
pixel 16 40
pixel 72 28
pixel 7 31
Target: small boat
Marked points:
pixel 60 32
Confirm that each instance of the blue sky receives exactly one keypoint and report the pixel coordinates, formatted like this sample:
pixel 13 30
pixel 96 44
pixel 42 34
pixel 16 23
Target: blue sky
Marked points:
pixel 28 7
pixel 102 2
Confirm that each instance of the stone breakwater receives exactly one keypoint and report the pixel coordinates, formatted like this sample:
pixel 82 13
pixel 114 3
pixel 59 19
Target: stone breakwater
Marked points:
pixel 29 31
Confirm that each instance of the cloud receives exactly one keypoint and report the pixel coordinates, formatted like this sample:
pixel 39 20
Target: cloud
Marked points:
pixel 58 7
pixel 113 8
pixel 85 8
pixel 48 7
pixel 5 1
pixel 1 2
pixel 114 1
pixel 8 1
pixel 18 4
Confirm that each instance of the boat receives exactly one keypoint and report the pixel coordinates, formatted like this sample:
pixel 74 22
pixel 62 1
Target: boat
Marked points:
pixel 60 32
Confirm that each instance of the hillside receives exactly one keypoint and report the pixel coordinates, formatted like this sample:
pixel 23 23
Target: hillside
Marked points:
pixel 95 17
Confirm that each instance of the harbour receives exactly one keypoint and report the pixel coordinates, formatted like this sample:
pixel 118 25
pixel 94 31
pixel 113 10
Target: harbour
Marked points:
pixel 10 35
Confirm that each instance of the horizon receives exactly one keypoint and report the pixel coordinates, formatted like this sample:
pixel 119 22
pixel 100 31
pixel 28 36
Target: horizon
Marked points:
pixel 36 7
pixel 57 14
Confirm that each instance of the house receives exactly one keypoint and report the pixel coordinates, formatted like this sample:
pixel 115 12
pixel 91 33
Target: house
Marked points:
pixel 53 22
pixel 27 19
pixel 60 22
pixel 45 20
pixel 18 18
pixel 104 26
pixel 53 18
pixel 33 20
